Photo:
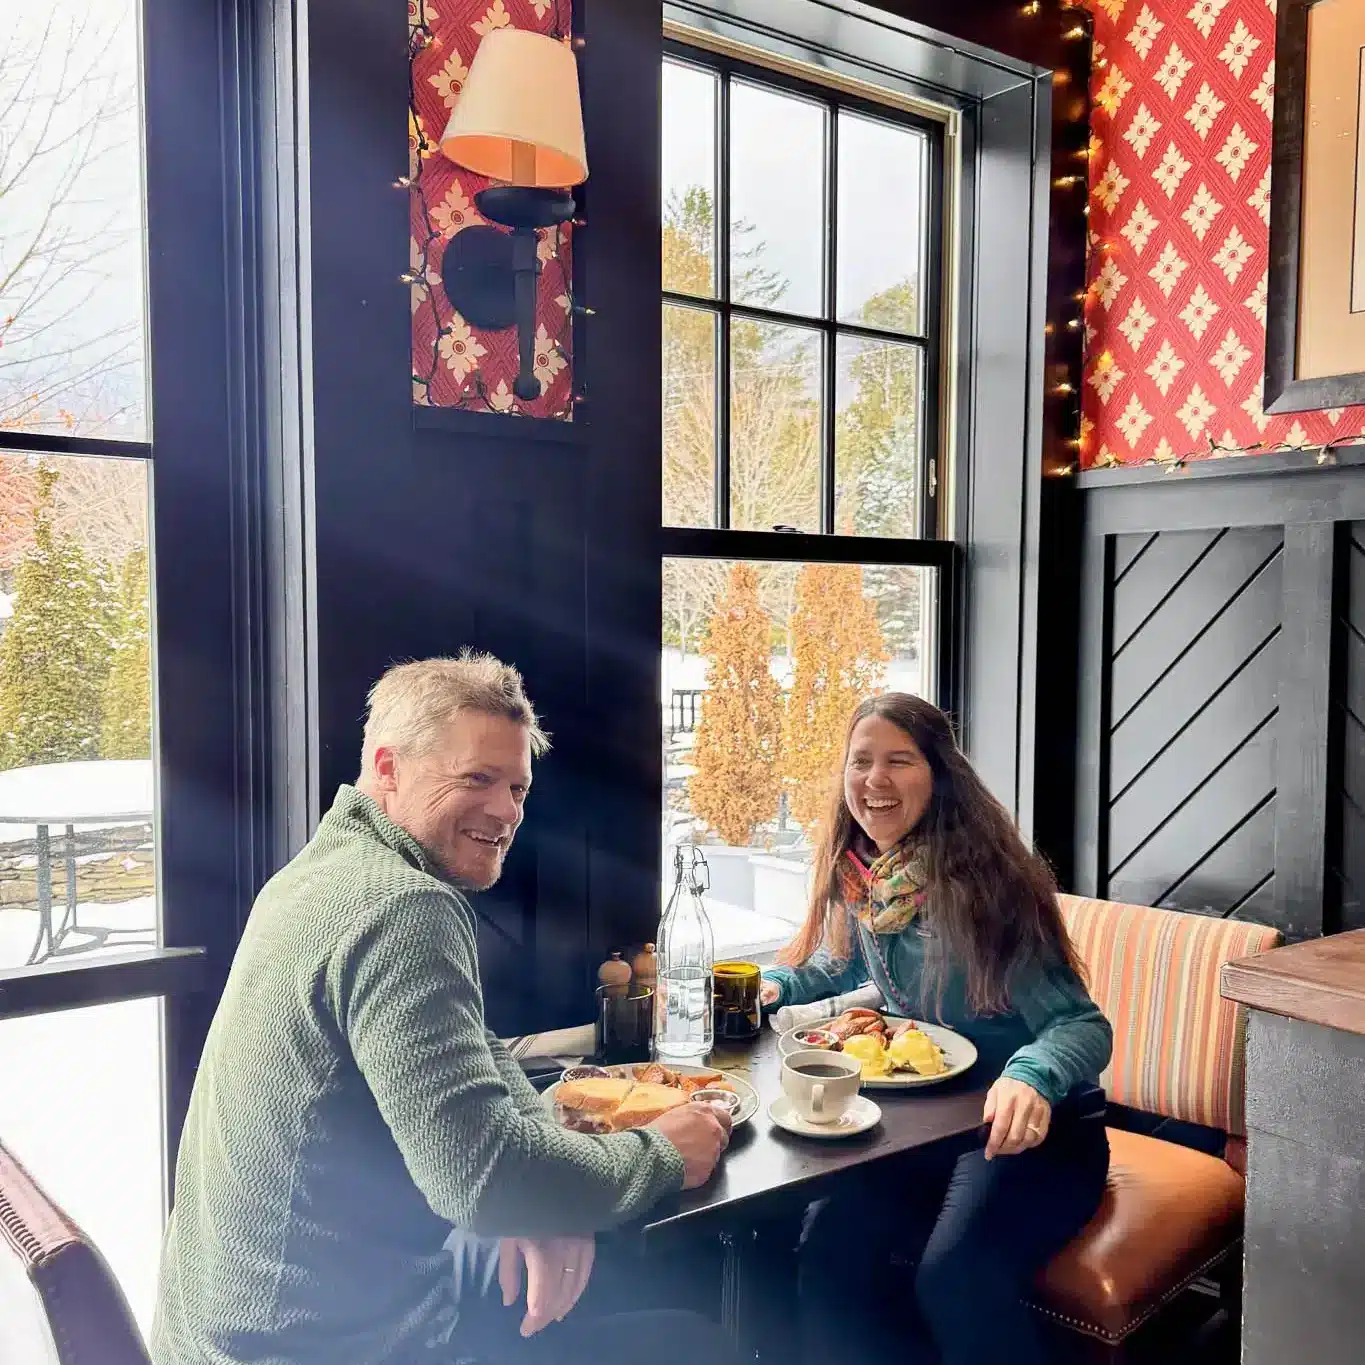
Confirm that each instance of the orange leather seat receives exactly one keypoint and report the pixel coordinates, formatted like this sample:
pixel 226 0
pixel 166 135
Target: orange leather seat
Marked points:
pixel 1168 1213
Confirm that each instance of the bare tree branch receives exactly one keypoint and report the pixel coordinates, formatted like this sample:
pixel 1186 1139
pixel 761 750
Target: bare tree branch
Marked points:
pixel 70 328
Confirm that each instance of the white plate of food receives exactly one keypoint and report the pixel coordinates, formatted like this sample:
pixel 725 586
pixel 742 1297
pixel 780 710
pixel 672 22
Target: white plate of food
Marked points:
pixel 615 1099
pixel 896 1053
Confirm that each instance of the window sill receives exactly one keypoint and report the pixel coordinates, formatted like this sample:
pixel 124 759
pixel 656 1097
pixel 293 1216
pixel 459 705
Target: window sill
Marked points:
pixel 61 985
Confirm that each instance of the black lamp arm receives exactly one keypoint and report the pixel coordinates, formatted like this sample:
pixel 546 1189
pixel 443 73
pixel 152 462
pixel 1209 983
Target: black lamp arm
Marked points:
pixel 526 268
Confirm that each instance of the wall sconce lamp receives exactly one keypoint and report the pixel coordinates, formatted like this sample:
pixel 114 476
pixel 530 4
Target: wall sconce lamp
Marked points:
pixel 519 120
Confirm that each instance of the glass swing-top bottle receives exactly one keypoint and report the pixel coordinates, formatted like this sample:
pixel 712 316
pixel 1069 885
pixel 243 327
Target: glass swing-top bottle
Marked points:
pixel 684 1029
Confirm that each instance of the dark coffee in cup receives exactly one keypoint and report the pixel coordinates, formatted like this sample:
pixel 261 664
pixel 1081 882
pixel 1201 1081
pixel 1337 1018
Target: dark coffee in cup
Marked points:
pixel 823 1071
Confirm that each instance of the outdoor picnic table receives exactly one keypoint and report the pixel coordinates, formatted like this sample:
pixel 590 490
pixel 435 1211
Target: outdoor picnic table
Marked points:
pixel 61 796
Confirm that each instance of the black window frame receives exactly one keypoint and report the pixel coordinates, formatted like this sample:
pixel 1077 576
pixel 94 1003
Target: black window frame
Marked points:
pixel 227 510
pixel 930 550
pixel 727 69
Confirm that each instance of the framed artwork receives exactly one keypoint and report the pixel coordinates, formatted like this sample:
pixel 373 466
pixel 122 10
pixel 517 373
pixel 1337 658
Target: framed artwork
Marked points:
pixel 1315 321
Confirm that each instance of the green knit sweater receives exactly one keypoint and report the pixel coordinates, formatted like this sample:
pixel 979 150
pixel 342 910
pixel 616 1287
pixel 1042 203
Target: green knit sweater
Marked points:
pixel 351 1107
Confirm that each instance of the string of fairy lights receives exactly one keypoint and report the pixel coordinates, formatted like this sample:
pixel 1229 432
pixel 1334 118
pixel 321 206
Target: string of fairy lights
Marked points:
pixel 1323 451
pixel 473 392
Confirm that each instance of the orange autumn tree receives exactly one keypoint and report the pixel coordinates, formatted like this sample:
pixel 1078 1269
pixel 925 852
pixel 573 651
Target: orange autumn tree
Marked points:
pixel 736 783
pixel 840 657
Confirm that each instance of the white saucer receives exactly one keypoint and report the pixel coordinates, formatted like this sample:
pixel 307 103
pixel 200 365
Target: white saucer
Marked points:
pixel 860 1115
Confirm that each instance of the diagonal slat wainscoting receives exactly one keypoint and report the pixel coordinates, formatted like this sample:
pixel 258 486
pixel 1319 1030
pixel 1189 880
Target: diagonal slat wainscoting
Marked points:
pixel 1221 691
pixel 1190 725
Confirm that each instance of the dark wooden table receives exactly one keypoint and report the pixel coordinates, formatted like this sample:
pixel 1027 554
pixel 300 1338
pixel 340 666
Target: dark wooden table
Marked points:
pixel 768 1171
pixel 1304 1280
pixel 765 1161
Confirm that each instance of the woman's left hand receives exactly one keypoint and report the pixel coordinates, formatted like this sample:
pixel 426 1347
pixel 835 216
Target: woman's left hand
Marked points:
pixel 1018 1115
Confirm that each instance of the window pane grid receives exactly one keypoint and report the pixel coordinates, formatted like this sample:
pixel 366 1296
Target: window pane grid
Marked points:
pixel 743 310
pixel 901 314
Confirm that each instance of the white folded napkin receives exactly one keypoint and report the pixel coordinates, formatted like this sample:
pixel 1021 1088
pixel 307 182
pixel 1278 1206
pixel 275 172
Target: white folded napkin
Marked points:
pixel 866 997
pixel 569 1046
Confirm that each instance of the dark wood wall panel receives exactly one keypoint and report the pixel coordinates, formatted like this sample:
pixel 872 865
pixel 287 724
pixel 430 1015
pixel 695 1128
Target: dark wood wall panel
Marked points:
pixel 1221 690
pixel 1190 730
pixel 1349 862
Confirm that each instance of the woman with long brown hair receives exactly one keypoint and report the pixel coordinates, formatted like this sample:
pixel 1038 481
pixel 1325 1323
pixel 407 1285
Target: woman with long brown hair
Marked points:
pixel 924 887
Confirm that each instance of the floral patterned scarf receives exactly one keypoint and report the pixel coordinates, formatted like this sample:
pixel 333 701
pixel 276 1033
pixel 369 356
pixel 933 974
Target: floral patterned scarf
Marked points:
pixel 886 894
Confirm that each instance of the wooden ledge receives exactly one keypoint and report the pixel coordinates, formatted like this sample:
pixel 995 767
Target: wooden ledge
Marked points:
pixel 1319 981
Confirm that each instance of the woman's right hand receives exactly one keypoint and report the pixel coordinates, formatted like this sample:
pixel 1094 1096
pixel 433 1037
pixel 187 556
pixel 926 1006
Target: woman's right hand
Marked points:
pixel 769 993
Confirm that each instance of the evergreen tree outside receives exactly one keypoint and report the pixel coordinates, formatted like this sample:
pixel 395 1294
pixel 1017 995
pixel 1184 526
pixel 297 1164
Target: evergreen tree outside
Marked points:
pixel 736 783
pixel 57 649
pixel 840 658
pixel 126 722
pixel 838 625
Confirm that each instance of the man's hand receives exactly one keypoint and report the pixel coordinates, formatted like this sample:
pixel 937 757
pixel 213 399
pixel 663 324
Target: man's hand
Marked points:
pixel 701 1133
pixel 1019 1117
pixel 557 1270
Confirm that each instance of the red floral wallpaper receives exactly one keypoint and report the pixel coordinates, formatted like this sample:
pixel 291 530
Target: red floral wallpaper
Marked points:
pixel 454 365
pixel 1182 94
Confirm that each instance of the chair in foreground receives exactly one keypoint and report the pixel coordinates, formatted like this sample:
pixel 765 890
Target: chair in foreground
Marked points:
pixel 59 1302
pixel 1171 1219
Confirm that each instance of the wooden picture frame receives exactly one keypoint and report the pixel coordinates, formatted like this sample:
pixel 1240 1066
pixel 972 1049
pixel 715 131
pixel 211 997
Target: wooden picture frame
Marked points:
pixel 1315 325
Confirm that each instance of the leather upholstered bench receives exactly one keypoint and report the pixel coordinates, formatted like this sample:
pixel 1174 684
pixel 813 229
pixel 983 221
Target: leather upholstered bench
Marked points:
pixel 1171 1215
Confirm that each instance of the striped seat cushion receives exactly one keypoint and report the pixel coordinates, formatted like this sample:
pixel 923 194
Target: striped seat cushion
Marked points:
pixel 1179 1047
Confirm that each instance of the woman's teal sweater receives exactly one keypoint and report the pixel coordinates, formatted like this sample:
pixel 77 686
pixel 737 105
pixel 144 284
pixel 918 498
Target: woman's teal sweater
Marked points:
pixel 1053 1037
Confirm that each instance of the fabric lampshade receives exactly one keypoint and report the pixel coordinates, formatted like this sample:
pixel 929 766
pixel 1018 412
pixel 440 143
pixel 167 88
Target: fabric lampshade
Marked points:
pixel 519 118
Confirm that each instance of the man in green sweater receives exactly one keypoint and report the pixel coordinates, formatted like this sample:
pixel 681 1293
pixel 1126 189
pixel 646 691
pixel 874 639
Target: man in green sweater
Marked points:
pixel 351 1108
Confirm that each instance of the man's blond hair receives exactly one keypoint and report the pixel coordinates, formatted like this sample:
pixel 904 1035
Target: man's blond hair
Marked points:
pixel 410 706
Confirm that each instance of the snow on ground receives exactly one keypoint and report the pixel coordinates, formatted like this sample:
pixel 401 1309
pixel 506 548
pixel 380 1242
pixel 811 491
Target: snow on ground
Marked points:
pixel 131 924
pixel 80 1090
pixel 687 673
pixel 80 1105
pixel 79 792
pixel 744 933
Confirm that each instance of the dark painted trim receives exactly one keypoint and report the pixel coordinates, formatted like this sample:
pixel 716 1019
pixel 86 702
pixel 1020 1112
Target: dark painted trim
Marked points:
pixel 1275 496
pixel 999 444
pixel 1284 390
pixel 623 273
pixel 275 133
pixel 1302 800
pixel 216 692
pixel 1088 874
pixel 1338 685
pixel 34 443
pixel 682 542
pixel 170 972
pixel 868 42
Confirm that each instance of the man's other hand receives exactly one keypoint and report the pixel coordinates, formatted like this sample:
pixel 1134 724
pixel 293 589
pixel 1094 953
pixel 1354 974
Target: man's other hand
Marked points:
pixel 556 1274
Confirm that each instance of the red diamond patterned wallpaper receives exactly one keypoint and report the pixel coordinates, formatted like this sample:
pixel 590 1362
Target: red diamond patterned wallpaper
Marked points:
pixel 454 365
pixel 1182 94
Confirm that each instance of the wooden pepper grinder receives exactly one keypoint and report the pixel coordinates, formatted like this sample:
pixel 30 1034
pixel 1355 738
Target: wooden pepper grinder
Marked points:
pixel 645 966
pixel 614 972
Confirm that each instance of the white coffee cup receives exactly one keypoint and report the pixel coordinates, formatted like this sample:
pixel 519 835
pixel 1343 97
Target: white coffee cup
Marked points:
pixel 820 1084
